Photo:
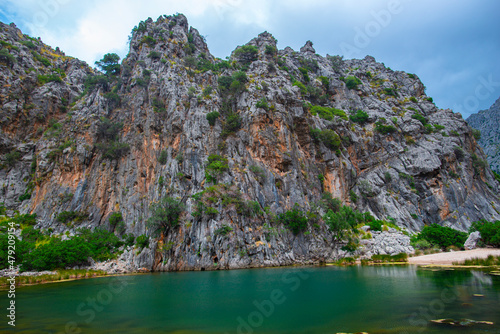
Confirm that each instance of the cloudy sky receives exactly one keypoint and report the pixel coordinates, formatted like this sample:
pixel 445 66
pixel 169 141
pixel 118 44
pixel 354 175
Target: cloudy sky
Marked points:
pixel 453 46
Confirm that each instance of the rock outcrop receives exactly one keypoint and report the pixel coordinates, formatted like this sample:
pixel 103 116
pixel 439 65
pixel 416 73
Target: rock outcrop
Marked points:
pixel 488 123
pixel 283 128
pixel 472 240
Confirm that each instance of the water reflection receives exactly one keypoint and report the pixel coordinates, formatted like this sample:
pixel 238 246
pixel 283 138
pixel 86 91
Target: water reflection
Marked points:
pixel 374 299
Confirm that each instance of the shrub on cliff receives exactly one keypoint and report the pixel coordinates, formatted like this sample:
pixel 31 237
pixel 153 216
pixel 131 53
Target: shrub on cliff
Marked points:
pixel 109 64
pixel 66 217
pixel 116 222
pixel 246 54
pixel 212 117
pixel 295 220
pixel 216 165
pixel 328 113
pixel 352 82
pixel 360 117
pixel 165 215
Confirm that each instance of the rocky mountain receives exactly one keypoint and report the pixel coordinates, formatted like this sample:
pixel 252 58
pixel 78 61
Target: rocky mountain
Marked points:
pixel 488 123
pixel 237 141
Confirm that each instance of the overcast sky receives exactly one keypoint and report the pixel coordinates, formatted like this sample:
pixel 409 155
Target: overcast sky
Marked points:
pixel 452 45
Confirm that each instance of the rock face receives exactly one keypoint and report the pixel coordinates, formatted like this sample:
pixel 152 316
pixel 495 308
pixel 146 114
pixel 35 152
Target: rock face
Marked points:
pixel 472 240
pixel 288 129
pixel 488 122
pixel 390 242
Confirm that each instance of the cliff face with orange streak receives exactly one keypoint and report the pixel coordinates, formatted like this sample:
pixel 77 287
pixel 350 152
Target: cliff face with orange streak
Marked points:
pixel 267 130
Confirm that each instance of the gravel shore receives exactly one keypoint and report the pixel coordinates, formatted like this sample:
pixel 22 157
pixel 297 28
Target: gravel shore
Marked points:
pixel 449 257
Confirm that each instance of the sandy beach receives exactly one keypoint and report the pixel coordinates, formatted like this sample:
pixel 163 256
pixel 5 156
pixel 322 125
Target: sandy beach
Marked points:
pixel 449 257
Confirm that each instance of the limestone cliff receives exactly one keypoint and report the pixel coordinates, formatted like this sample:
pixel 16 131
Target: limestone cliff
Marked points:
pixel 291 126
pixel 488 123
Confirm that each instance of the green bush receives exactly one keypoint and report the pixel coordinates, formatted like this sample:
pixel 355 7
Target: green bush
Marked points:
pixel 207 91
pixel 442 236
pixel 108 130
pixel 216 165
pixel 93 81
pixel 305 74
pixel 295 220
pixel 142 241
pixel 128 239
pixel 212 117
pixel 479 165
pixel 66 217
pixel 41 59
pixel 262 103
pixel 163 157
pixel 232 124
pixel 43 79
pixel 7 57
pixel 150 41
pixel 325 82
pixel 155 55
pixel 420 244
pixel 57 254
pixel 12 158
pixel 165 215
pixel 375 225
pixel 302 87
pixel 497 176
pixel 352 82
pixel 390 91
pixel 428 129
pixel 271 50
pixel 246 54
pixel 31 235
pixel 24 219
pixel 223 231
pixel 109 64
pixel 353 196
pixel 360 117
pixel 22 248
pixel 113 97
pixel 385 129
pixel 115 220
pixel 113 150
pixel 476 133
pixel 343 223
pixel 158 105
pixel 330 138
pixel 28 44
pixel 419 117
pixel 101 245
pixel 336 62
pixel 330 203
pixel 328 113
pixel 490 231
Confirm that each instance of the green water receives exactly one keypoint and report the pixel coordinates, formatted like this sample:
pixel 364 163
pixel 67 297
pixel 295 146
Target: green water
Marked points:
pixel 389 299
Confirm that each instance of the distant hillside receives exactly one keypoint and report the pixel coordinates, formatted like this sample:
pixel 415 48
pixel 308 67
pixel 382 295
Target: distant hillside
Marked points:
pixel 488 122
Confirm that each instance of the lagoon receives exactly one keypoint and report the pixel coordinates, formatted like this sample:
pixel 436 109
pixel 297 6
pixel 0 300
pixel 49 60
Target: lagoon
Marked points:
pixel 373 299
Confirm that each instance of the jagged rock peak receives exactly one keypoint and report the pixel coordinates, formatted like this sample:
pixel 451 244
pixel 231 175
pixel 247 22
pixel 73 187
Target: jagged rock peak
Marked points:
pixel 308 48
pixel 169 35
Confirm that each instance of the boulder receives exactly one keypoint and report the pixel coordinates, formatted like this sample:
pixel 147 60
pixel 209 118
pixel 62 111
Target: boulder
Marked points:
pixel 471 242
